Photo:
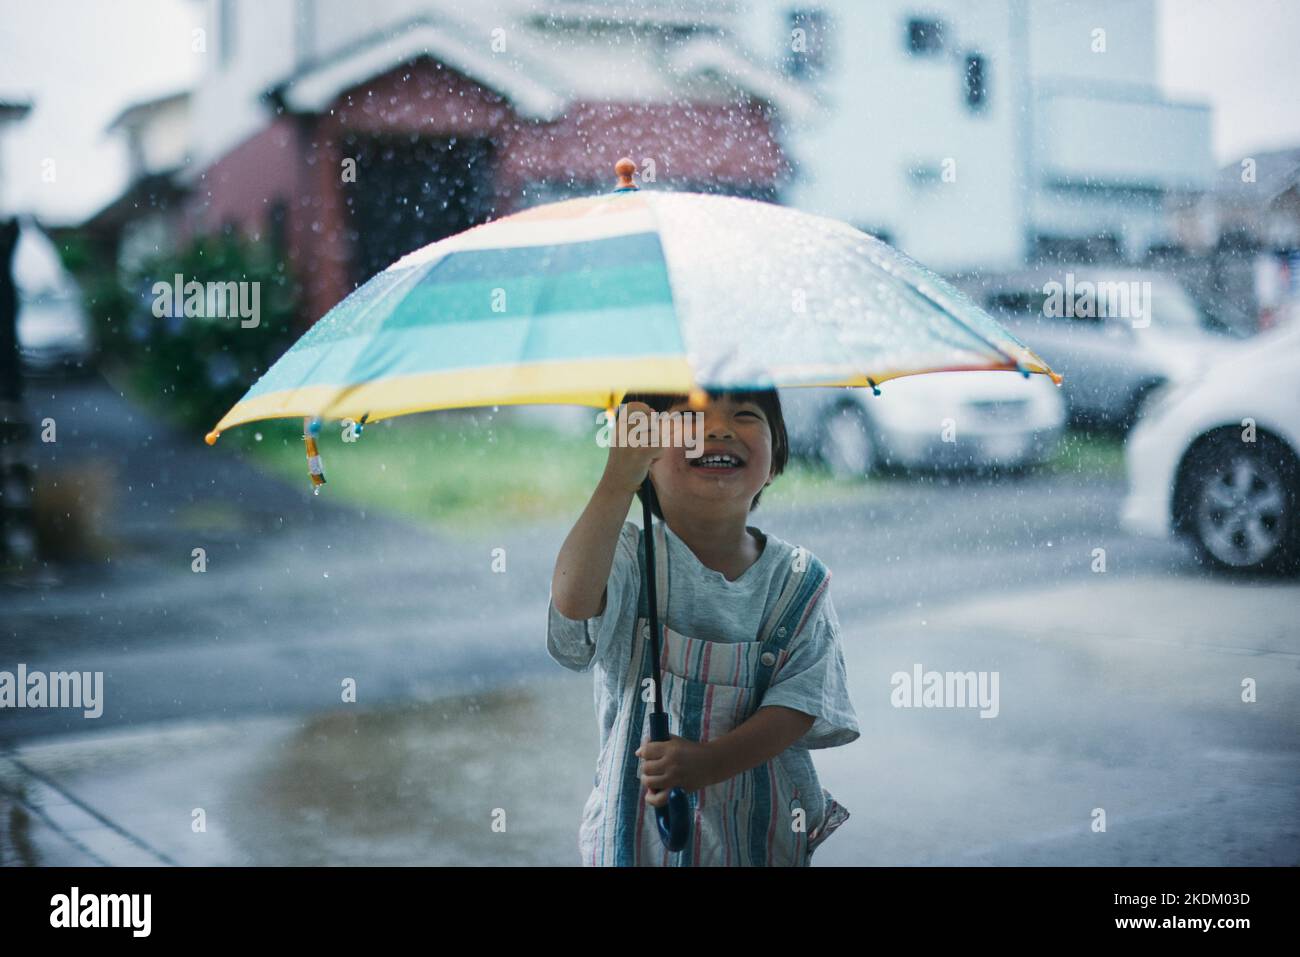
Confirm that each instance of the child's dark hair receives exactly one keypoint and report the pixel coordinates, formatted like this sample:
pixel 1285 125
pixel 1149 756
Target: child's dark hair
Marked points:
pixel 766 399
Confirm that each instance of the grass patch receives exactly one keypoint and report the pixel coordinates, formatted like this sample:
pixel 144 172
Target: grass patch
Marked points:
pixel 468 468
pixel 1092 454
pixel 471 469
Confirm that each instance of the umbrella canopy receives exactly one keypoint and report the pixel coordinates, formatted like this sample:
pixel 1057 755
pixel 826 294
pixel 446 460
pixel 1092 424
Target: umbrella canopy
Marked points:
pixel 584 300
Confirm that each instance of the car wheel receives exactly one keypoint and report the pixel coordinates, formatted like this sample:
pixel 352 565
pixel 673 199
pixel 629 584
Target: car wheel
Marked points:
pixel 1240 506
pixel 846 444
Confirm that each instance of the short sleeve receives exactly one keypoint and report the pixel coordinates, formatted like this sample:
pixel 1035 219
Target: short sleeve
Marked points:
pixel 578 643
pixel 813 680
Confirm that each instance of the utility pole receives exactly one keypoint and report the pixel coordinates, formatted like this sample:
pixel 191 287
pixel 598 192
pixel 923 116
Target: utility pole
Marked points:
pixel 17 518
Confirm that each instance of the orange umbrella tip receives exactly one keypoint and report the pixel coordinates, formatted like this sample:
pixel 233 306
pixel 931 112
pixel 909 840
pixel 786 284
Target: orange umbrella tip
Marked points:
pixel 1054 376
pixel 211 437
pixel 699 399
pixel 624 169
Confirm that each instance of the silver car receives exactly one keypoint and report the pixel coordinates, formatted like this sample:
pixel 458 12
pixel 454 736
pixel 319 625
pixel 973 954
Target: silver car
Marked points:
pixel 1115 334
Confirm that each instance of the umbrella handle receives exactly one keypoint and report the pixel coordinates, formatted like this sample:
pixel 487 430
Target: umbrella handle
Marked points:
pixel 673 819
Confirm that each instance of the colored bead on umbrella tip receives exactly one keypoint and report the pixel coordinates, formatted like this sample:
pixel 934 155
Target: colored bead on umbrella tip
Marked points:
pixel 211 437
pixel 699 399
pixel 314 466
pixel 625 169
pixel 875 390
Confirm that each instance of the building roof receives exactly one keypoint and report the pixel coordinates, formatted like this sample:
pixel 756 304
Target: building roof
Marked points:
pixel 666 12
pixel 141 110
pixel 152 192
pixel 550 63
pixel 1276 171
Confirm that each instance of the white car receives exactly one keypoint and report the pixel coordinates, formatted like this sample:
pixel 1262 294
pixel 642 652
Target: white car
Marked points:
pixel 54 329
pixel 939 419
pixel 1217 460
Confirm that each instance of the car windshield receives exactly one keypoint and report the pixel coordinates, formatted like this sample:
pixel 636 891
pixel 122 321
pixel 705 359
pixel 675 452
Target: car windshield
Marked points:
pixel 1164 304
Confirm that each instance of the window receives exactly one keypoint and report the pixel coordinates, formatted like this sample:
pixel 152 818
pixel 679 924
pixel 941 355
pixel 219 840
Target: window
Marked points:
pixel 976 82
pixel 924 37
pixel 806 33
pixel 1016 304
pixel 924 174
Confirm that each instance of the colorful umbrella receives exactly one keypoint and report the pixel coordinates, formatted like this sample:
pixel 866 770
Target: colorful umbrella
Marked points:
pixel 582 301
pixel 586 300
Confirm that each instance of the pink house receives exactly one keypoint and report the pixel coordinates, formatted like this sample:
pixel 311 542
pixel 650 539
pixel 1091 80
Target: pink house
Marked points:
pixel 419 131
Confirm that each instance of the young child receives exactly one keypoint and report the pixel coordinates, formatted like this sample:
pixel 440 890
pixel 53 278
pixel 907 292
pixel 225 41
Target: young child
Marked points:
pixel 752 670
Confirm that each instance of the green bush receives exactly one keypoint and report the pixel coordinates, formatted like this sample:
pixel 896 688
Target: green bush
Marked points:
pixel 197 367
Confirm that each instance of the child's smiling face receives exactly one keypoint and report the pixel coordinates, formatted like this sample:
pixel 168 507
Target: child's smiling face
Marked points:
pixel 737 431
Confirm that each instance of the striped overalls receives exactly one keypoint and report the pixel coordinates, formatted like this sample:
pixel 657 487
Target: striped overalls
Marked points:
pixel 710 687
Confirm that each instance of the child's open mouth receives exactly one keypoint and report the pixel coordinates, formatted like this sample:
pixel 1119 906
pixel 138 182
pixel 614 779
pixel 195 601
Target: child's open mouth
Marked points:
pixel 718 462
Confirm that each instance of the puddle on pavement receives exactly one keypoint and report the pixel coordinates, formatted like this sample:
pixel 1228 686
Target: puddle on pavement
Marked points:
pixel 422 785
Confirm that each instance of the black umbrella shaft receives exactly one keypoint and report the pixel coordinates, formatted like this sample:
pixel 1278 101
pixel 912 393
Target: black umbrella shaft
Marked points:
pixel 647 513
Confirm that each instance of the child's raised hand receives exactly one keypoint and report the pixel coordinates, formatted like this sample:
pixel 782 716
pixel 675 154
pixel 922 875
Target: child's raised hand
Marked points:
pixel 675 763
pixel 628 466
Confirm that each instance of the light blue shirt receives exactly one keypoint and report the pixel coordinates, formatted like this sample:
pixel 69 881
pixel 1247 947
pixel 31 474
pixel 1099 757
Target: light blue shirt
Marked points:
pixel 703 605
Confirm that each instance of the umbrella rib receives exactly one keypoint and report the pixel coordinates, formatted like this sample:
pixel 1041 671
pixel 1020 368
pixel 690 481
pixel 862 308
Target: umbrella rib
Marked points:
pixel 544 293
pixel 957 319
pixel 658 232
pixel 414 279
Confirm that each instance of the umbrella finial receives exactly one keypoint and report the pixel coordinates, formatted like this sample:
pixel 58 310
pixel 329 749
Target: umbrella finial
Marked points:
pixel 624 169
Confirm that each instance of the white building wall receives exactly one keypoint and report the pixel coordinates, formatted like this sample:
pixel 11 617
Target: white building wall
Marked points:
pixel 1107 145
pixel 891 111
pixel 226 107
pixel 1075 140
pixel 1061 40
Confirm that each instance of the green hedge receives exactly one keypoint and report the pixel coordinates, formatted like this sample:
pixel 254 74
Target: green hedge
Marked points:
pixel 194 368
